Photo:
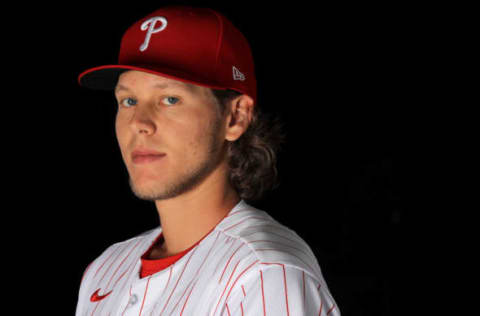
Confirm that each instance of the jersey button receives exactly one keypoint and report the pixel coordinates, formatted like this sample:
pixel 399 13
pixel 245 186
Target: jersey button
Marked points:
pixel 133 300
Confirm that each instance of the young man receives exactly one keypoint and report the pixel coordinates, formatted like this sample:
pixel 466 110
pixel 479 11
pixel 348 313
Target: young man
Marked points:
pixel 192 141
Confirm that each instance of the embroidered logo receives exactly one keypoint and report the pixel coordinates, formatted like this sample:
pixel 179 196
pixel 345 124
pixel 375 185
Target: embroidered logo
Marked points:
pixel 149 26
pixel 95 297
pixel 237 75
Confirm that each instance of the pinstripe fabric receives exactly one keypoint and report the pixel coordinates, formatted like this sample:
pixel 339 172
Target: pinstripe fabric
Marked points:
pixel 248 265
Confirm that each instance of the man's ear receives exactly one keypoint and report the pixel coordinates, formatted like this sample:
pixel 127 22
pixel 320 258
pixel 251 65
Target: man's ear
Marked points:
pixel 239 117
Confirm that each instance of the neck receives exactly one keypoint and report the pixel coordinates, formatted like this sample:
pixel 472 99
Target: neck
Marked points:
pixel 188 218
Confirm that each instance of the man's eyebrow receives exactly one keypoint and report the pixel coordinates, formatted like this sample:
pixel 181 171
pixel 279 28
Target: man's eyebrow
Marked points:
pixel 120 87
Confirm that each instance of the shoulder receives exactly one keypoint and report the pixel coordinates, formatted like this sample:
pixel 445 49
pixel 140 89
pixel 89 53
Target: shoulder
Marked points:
pixel 135 243
pixel 271 242
pixel 123 250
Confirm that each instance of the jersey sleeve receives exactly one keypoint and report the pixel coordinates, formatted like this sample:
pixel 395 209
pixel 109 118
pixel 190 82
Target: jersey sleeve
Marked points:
pixel 277 289
pixel 81 290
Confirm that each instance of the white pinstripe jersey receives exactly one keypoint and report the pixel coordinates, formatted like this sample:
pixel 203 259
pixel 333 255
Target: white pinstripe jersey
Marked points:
pixel 249 264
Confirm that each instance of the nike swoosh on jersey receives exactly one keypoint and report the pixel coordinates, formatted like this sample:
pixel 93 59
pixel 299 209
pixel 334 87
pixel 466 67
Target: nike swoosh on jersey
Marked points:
pixel 95 297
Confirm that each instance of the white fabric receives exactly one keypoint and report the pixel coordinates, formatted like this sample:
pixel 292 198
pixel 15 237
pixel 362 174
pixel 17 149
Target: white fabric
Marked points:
pixel 249 264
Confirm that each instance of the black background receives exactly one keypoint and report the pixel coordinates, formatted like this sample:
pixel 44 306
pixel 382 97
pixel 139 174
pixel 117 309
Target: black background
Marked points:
pixel 344 79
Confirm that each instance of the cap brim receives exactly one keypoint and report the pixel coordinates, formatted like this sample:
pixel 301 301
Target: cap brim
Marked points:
pixel 106 77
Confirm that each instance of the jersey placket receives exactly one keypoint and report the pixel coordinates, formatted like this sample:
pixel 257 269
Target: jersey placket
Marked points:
pixel 141 294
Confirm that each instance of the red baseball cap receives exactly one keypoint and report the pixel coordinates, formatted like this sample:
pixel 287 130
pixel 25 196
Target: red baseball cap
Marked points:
pixel 190 44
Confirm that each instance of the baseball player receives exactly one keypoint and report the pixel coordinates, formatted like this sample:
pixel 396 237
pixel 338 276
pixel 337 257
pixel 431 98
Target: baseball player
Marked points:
pixel 198 156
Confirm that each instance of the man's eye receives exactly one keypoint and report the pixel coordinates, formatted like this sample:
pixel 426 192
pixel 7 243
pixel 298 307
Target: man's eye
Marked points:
pixel 128 102
pixel 171 100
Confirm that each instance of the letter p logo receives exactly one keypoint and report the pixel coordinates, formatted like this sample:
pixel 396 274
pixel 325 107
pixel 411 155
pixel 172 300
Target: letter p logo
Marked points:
pixel 149 26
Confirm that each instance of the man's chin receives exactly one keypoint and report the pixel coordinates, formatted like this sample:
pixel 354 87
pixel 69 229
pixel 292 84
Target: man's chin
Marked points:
pixel 149 191
pixel 143 190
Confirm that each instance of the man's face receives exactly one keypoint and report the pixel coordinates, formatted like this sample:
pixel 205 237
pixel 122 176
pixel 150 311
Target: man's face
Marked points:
pixel 179 120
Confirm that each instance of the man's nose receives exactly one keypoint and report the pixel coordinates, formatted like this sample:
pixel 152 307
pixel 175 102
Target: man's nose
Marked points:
pixel 142 120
